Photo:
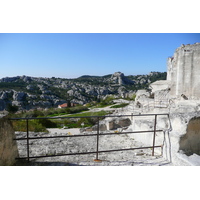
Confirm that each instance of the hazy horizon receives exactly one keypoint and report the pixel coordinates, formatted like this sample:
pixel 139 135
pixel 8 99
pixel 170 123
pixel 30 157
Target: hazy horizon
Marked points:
pixel 78 76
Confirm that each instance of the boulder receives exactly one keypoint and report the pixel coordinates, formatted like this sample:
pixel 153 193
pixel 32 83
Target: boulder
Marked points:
pixel 119 123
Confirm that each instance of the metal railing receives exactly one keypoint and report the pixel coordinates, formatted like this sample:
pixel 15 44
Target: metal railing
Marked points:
pixel 97 135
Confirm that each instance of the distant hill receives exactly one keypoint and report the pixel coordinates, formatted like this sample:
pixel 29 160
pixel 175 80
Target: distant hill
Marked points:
pixel 27 92
pixel 88 76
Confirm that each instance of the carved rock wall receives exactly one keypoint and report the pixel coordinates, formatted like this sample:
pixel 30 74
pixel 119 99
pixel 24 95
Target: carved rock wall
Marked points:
pixel 190 142
pixel 8 146
pixel 183 72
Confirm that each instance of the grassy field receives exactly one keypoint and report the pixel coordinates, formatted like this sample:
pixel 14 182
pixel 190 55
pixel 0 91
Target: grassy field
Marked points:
pixel 99 113
pixel 120 105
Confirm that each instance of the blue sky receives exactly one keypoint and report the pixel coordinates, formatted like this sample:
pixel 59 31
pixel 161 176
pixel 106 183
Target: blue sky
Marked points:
pixel 70 55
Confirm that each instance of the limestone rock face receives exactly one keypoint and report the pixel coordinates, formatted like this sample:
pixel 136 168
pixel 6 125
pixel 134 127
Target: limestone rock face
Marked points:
pixel 119 123
pixel 120 79
pixel 4 96
pixel 142 96
pixel 190 142
pixel 8 146
pixel 117 78
pixel 183 72
pixel 19 96
pixel 37 92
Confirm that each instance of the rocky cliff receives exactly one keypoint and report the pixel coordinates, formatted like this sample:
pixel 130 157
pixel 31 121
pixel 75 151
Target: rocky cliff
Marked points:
pixel 27 93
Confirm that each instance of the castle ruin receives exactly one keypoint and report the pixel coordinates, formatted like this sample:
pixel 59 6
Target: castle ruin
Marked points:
pixel 183 72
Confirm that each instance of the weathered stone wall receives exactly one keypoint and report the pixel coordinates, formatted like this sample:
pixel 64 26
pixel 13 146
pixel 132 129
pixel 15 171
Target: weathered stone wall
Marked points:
pixel 184 70
pixel 146 123
pixel 190 142
pixel 8 146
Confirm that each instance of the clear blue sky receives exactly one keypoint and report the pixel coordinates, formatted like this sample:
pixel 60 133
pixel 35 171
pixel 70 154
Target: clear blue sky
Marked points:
pixel 70 55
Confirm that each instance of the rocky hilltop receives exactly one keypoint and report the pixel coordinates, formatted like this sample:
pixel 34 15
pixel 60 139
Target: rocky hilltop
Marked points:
pixel 28 93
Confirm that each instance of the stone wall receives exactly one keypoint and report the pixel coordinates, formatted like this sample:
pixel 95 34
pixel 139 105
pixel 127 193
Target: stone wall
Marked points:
pixel 190 142
pixel 8 146
pixel 146 123
pixel 183 72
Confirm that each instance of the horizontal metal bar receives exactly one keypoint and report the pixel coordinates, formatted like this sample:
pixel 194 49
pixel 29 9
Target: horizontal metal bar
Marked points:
pixel 120 133
pixel 101 134
pixel 31 118
pixel 93 152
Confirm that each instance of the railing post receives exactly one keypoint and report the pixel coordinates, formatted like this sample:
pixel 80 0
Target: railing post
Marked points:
pixel 97 152
pixel 27 128
pixel 154 134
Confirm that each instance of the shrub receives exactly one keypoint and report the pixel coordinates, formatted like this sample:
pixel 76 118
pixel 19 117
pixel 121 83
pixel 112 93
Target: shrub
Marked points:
pixel 47 123
pixel 12 109
pixel 107 101
pixel 87 122
pixel 34 126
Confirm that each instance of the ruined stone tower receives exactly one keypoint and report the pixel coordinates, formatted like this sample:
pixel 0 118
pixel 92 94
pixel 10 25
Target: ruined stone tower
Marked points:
pixel 183 73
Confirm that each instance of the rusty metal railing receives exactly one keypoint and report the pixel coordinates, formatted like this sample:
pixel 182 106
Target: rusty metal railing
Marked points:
pixel 98 134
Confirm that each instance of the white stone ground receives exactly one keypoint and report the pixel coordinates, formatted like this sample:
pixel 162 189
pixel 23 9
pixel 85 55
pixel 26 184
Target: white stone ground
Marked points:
pixel 84 144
